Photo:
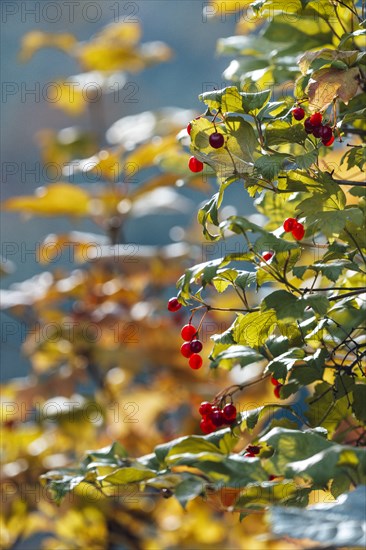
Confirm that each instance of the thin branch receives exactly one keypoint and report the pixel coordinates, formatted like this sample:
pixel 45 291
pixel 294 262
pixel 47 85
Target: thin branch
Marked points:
pixel 361 289
pixel 346 294
pixel 349 182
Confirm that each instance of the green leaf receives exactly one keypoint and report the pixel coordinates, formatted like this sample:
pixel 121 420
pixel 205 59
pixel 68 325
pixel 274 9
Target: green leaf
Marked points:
pixel 209 214
pixel 269 166
pixel 254 102
pixel 185 444
pixel 293 445
pixel 285 304
pixel 359 400
pixel 282 132
pixel 254 328
pixel 204 272
pixel 268 494
pixel 130 474
pixel 307 159
pixel 235 355
pixel 190 488
pixel 356 156
pixel 325 410
pixel 318 302
pixel 226 100
pixel 347 36
pixel 284 362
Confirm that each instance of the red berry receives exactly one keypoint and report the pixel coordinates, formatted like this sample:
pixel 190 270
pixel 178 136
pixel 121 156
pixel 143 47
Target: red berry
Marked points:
pixel 173 304
pixel 317 131
pixel 216 140
pixel 189 128
pixel 289 224
pixel 316 119
pixel 229 412
pixel 205 408
pixel 254 449
pixel 250 455
pixel 326 133
pixel 271 477
pixel 195 165
pixel 298 113
pixel 187 332
pixel 276 391
pixel 217 418
pixel 206 426
pixel 266 256
pixel 195 361
pixel 196 346
pixel 275 382
pixel 186 349
pixel 329 142
pixel 298 231
pixel 308 126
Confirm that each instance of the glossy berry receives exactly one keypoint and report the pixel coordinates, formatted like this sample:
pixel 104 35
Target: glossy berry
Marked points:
pixel 205 408
pixel 298 231
pixel 189 128
pixel 329 142
pixel 276 391
pixel 173 304
pixel 316 119
pixel 186 349
pixel 216 140
pixel 229 413
pixel 195 165
pixel 317 131
pixel 195 361
pixel 196 346
pixel 308 126
pixel 206 426
pixel 289 224
pixel 217 418
pixel 298 113
pixel 187 332
pixel 254 449
pixel 266 256
pixel 326 133
pixel 275 382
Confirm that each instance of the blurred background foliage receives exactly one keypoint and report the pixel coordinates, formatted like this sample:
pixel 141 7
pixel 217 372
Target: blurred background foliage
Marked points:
pixel 99 359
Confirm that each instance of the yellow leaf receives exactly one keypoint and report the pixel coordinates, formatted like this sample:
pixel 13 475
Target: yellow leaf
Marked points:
pixel 226 8
pixel 145 155
pixel 68 97
pixel 124 33
pixel 116 48
pixel 101 56
pixel 61 199
pixel 35 40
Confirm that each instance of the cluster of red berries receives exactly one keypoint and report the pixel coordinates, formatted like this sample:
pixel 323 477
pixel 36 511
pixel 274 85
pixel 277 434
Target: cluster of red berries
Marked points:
pixel 277 388
pixel 214 417
pixel 191 347
pixel 291 225
pixel 313 125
